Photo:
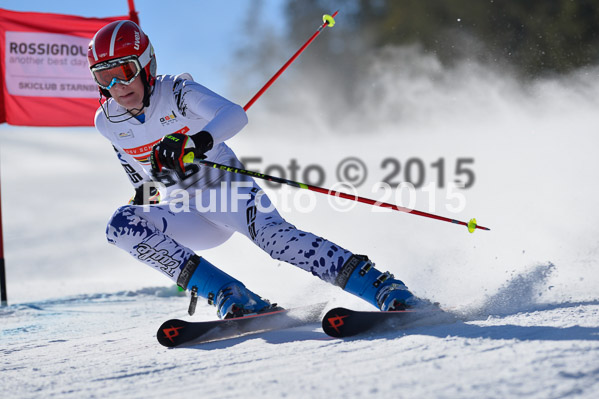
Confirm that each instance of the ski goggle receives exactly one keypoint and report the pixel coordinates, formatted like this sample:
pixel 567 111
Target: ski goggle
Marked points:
pixel 122 70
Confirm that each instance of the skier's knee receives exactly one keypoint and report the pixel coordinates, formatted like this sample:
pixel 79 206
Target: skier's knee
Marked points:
pixel 119 223
pixel 267 235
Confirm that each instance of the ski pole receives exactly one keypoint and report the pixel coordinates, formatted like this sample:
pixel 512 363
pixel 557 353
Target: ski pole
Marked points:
pixel 471 225
pixel 328 20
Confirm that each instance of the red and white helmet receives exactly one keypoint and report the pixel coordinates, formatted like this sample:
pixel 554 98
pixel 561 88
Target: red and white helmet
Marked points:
pixel 119 52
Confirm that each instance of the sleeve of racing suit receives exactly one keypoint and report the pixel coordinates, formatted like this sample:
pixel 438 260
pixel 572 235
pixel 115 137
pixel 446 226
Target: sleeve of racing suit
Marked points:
pixel 226 118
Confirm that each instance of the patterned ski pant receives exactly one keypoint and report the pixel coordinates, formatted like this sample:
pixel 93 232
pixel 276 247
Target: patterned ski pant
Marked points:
pixel 164 237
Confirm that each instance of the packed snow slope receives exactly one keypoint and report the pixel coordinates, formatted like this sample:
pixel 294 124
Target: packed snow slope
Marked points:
pixel 83 316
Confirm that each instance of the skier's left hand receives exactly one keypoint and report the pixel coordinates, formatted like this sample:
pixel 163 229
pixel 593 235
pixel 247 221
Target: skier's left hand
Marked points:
pixel 169 152
pixel 152 195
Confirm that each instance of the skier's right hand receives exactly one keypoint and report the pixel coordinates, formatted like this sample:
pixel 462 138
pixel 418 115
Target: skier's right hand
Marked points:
pixel 170 151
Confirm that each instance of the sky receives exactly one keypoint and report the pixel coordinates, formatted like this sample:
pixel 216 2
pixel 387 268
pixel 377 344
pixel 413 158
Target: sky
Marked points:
pixel 199 37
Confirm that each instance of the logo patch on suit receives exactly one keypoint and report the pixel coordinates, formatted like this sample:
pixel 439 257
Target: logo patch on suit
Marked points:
pixel 125 135
pixel 168 119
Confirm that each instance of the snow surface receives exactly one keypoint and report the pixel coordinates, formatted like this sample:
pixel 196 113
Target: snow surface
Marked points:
pixel 83 316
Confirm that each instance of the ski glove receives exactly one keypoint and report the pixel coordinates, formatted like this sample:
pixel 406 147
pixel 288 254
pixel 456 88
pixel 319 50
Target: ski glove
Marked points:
pixel 169 152
pixel 138 198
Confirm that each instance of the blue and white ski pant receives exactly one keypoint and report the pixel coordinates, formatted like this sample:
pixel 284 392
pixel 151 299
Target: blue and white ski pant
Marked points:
pixel 165 238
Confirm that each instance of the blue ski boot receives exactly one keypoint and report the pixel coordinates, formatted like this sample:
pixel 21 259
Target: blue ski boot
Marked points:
pixel 359 277
pixel 230 296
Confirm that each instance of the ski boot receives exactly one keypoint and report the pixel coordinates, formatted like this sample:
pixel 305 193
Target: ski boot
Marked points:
pixel 359 277
pixel 230 296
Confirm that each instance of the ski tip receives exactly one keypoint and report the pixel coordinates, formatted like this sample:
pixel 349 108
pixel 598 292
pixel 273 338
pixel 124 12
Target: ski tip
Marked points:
pixel 333 322
pixel 169 333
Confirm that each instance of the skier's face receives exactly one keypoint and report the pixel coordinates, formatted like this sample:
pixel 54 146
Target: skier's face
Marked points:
pixel 129 96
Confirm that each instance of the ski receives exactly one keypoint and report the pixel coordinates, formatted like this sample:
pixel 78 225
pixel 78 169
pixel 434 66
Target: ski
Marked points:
pixel 176 332
pixel 343 322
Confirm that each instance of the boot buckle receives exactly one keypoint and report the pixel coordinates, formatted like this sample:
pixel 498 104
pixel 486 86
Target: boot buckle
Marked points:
pixel 366 268
pixel 382 278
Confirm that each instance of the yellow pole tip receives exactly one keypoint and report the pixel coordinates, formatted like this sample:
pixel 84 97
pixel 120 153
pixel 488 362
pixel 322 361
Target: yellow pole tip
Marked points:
pixel 472 225
pixel 326 18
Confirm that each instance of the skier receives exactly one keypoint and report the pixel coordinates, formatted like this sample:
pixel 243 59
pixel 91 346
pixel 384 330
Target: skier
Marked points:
pixel 153 121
